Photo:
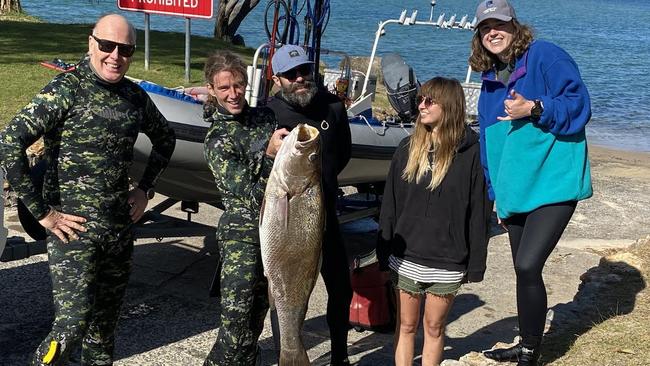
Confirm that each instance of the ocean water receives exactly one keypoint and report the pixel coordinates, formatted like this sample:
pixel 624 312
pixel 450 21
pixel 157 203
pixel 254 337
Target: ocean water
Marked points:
pixel 609 39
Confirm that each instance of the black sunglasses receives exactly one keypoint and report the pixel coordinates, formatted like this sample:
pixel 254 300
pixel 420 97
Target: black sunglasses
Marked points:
pixel 304 70
pixel 125 50
pixel 428 101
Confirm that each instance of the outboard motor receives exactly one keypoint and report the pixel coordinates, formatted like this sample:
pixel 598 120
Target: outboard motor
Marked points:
pixel 401 86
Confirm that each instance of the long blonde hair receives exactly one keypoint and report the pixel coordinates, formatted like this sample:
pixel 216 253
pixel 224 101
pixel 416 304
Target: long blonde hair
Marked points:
pixel 441 140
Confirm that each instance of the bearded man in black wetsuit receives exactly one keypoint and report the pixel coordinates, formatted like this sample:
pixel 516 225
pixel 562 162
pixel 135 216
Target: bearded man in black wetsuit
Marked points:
pixel 301 101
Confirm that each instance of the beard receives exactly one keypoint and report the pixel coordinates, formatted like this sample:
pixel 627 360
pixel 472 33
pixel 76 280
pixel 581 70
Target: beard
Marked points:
pixel 300 99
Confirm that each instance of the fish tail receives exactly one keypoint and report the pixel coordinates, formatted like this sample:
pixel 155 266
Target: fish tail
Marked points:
pixel 296 357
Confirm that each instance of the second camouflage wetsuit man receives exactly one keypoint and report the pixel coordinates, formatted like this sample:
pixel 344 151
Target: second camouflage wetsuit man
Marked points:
pixel 89 119
pixel 239 148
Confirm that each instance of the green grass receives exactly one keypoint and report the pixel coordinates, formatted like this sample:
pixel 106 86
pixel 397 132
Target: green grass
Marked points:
pixel 620 341
pixel 22 17
pixel 25 42
pixel 618 333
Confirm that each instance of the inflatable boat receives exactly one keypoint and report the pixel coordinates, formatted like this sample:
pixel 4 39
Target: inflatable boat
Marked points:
pixel 188 178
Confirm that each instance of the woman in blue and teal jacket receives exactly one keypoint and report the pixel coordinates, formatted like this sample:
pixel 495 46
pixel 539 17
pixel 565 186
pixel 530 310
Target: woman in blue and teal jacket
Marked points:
pixel 533 109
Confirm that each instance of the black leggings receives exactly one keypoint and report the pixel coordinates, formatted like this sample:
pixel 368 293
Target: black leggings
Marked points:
pixel 533 236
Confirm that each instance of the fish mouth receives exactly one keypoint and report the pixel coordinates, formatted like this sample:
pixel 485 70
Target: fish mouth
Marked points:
pixel 306 134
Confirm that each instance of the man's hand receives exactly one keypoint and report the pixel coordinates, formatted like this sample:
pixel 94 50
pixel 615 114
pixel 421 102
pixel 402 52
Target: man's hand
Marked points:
pixel 276 142
pixel 138 202
pixel 517 107
pixel 62 225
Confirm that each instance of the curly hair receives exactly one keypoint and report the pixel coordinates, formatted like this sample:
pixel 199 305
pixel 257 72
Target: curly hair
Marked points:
pixel 223 61
pixel 482 60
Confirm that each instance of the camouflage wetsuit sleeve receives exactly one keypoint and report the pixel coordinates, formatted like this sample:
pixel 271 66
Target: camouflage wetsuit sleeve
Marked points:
pixel 42 116
pixel 163 140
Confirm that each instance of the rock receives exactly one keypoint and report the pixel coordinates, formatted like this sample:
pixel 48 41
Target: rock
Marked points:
pixel 477 359
pixel 452 363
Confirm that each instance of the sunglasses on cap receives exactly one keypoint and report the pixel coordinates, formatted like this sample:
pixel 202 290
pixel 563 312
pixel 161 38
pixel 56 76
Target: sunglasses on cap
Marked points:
pixel 304 70
pixel 125 50
pixel 428 101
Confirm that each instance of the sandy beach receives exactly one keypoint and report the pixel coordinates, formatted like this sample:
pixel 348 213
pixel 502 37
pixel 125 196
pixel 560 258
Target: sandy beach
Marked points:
pixel 168 318
pixel 619 210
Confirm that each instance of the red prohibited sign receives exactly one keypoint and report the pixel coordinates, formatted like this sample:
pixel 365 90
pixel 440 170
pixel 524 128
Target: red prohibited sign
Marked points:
pixel 184 8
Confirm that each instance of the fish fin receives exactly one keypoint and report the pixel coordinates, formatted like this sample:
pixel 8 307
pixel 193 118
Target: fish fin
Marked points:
pixel 320 263
pixel 283 208
pixel 275 323
pixel 271 299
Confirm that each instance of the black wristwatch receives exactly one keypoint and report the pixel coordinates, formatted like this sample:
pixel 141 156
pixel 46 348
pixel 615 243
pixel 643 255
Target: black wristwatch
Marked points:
pixel 536 111
pixel 148 192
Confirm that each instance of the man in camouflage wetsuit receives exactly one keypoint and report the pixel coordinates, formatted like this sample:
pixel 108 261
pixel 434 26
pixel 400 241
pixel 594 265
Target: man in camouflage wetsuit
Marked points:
pixel 239 148
pixel 89 119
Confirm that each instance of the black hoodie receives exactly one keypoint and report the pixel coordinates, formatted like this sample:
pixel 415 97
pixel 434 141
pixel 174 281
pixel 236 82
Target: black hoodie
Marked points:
pixel 327 113
pixel 446 228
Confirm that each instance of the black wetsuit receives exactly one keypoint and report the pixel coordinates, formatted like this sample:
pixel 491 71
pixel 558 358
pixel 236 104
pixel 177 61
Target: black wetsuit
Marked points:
pixel 328 115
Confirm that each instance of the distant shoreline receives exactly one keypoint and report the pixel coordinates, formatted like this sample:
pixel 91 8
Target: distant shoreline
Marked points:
pixel 599 152
pixel 635 145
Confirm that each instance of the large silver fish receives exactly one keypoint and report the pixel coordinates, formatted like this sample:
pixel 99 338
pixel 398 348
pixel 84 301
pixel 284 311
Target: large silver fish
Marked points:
pixel 291 230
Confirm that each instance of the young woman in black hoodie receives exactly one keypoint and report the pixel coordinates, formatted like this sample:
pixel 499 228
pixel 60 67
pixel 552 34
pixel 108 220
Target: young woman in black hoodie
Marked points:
pixel 434 218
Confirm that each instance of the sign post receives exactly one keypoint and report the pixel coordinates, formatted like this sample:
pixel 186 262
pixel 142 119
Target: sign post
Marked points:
pixel 146 41
pixel 187 49
pixel 185 8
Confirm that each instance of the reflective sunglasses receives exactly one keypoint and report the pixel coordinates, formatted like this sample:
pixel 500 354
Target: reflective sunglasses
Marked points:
pixel 304 70
pixel 428 101
pixel 125 50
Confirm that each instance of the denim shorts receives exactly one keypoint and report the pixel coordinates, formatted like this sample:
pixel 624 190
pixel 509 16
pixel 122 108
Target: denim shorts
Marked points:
pixel 420 288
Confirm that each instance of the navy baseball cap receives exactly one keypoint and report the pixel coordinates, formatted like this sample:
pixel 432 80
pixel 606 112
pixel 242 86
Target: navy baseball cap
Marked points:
pixel 287 57
pixel 495 9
